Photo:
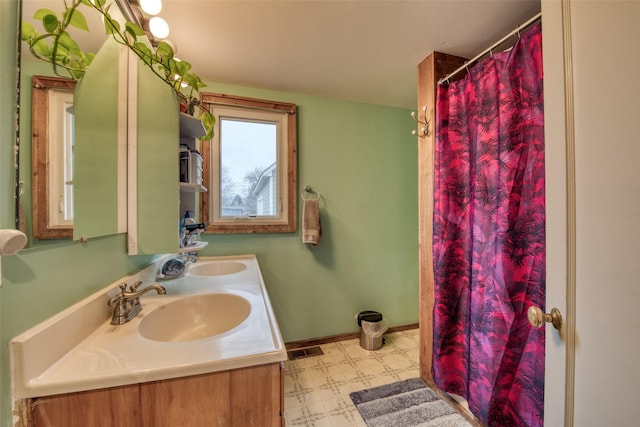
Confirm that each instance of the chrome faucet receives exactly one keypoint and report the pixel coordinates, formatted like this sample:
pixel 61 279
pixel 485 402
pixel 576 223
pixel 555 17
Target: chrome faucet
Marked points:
pixel 126 304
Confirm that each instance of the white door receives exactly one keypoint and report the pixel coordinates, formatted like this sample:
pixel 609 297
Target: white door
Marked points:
pixel 603 114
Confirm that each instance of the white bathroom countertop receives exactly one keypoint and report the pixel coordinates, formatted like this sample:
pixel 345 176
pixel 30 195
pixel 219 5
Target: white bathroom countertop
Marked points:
pixel 78 349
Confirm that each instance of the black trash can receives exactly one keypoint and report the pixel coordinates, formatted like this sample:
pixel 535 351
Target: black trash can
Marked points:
pixel 372 327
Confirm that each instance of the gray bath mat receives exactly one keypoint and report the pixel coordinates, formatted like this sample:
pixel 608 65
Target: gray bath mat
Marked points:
pixel 408 403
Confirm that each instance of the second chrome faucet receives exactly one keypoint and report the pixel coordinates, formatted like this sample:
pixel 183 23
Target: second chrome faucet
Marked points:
pixel 126 304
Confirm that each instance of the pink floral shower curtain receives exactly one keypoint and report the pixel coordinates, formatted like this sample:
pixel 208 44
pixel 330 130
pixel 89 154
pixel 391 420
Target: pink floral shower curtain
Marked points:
pixel 489 236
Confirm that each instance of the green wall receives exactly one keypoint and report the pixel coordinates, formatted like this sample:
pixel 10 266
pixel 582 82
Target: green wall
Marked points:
pixel 362 158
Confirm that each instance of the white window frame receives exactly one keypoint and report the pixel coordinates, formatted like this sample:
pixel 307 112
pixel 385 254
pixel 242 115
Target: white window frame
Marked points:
pixel 283 115
pixel 252 116
pixel 61 159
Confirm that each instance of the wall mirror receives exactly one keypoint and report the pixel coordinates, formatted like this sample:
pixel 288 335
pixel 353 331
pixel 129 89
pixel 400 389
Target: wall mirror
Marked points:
pixel 45 194
pixel 52 157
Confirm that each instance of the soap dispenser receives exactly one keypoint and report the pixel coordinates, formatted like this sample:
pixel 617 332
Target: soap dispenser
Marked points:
pixel 188 218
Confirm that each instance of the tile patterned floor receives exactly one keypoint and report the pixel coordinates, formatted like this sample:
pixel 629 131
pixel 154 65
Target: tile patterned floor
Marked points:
pixel 316 389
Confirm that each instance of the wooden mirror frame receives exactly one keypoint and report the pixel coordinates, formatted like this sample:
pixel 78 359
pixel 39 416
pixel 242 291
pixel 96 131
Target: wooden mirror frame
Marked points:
pixel 40 139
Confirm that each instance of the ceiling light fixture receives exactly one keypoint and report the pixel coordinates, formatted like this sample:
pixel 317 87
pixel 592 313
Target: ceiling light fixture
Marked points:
pixel 173 47
pixel 182 84
pixel 151 7
pixel 159 27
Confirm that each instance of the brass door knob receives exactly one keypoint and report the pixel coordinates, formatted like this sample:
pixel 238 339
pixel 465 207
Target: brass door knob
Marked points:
pixel 537 317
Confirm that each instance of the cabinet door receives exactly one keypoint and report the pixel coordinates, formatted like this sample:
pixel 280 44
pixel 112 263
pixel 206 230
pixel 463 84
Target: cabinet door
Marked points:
pixel 114 407
pixel 99 159
pixel 154 135
pixel 238 398
pixel 126 153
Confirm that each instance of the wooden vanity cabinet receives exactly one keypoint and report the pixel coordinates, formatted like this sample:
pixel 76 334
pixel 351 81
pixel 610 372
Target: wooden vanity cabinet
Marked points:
pixel 243 397
pixel 117 407
pixel 238 398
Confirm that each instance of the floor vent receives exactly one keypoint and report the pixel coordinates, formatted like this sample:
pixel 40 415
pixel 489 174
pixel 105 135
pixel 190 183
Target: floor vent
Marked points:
pixel 305 352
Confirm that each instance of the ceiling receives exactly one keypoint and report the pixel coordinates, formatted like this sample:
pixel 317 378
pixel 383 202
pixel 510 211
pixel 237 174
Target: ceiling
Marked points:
pixel 360 50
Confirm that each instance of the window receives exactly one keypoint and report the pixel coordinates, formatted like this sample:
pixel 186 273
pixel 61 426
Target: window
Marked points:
pixel 61 158
pixel 52 157
pixel 250 166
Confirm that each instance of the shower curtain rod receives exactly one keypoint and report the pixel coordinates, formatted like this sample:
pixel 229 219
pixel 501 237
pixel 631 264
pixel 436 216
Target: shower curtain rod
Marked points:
pixel 490 48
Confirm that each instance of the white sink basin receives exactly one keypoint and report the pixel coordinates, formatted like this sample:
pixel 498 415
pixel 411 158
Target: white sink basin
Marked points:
pixel 215 268
pixel 194 317
pixel 204 324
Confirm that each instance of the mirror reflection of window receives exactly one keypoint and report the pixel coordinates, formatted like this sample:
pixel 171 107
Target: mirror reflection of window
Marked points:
pixel 61 158
pixel 52 157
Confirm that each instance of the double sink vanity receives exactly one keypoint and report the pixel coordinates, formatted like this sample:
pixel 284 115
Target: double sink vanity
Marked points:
pixel 206 352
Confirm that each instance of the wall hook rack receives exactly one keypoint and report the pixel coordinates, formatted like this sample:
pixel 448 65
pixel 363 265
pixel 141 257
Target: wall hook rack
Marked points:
pixel 424 125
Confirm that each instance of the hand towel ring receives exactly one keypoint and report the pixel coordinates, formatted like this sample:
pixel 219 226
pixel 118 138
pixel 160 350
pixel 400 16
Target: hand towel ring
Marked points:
pixel 308 190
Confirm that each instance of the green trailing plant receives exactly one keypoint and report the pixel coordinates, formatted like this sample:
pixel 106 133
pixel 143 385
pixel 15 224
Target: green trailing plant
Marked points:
pixel 56 46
